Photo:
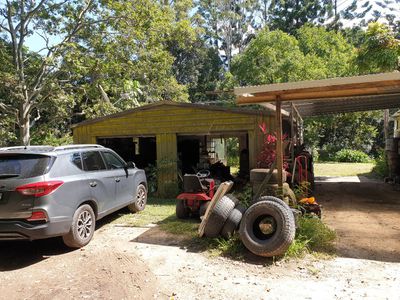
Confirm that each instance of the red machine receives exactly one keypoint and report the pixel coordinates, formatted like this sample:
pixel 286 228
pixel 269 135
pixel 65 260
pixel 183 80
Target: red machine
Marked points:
pixel 198 190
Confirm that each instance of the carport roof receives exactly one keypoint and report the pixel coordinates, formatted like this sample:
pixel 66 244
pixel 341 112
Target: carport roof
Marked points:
pixel 329 96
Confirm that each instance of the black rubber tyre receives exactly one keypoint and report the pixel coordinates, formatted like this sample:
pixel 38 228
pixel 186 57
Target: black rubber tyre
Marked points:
pixel 271 198
pixel 203 208
pixel 233 221
pixel 218 216
pixel 141 199
pixel 267 228
pixel 82 227
pixel 182 212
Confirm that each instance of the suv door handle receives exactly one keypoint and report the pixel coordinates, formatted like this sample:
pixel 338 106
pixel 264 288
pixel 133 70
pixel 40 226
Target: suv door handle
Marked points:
pixel 93 184
pixel 117 179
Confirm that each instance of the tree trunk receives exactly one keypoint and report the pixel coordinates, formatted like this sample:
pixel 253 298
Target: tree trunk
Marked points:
pixel 24 126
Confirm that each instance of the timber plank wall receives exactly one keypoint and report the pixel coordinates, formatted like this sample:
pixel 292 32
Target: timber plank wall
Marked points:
pixel 166 120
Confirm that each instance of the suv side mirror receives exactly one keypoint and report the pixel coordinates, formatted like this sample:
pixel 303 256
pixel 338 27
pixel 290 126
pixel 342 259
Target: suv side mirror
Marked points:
pixel 130 165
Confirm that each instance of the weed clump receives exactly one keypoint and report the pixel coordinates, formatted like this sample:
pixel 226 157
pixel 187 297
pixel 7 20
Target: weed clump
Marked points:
pixel 312 236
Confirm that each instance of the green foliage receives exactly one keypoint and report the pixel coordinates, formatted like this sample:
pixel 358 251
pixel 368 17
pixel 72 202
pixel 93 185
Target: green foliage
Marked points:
pixel 381 168
pixel 312 236
pixel 52 139
pixel 353 156
pixel 290 15
pixel 320 237
pixel 245 195
pixel 232 247
pixel 232 151
pixel 302 190
pixel 329 48
pixel 273 56
pixel 329 134
pixel 380 51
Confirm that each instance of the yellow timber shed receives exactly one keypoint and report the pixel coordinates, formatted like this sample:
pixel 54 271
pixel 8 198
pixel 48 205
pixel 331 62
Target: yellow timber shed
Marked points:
pixel 175 136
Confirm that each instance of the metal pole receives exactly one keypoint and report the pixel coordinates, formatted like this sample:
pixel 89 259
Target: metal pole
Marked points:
pixel 279 146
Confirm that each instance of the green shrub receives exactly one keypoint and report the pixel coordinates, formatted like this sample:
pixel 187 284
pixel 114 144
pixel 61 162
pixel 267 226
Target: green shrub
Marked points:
pixel 353 156
pixel 381 168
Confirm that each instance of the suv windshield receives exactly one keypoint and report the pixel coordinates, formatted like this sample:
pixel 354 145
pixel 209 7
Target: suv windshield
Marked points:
pixel 23 165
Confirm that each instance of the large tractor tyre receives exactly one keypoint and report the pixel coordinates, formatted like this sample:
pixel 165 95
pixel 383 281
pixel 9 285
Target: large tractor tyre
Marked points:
pixel 203 208
pixel 82 227
pixel 141 199
pixel 233 222
pixel 267 228
pixel 218 216
pixel 271 198
pixel 182 212
pixel 296 213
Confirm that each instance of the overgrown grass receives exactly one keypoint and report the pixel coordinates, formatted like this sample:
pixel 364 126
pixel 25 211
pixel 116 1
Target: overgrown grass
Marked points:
pixel 343 169
pixel 312 236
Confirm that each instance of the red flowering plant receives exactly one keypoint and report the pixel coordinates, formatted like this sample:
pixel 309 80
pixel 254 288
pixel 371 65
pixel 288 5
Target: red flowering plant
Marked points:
pixel 267 155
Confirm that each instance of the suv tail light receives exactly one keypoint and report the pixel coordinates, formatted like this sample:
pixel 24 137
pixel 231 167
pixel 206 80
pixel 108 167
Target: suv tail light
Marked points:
pixel 39 189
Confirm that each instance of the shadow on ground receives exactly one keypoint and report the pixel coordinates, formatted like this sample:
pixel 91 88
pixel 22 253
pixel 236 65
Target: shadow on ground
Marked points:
pixel 365 216
pixel 20 254
pixel 189 241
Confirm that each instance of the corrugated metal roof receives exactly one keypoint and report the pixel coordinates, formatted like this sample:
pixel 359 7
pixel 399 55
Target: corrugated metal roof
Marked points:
pixel 178 104
pixel 329 96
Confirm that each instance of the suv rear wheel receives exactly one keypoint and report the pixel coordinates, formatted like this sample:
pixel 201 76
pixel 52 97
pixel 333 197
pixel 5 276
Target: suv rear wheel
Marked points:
pixel 82 228
pixel 141 199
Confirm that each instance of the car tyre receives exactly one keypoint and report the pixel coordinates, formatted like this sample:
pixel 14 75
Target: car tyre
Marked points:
pixel 219 215
pixel 203 208
pixel 141 199
pixel 233 221
pixel 82 228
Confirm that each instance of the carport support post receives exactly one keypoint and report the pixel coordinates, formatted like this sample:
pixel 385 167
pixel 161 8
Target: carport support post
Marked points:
pixel 279 146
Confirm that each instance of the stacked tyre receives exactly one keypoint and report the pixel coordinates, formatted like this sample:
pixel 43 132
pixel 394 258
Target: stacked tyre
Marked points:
pixel 224 219
pixel 268 227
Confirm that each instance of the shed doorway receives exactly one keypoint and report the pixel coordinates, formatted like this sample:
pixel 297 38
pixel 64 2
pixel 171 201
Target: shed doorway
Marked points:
pixel 223 154
pixel 141 150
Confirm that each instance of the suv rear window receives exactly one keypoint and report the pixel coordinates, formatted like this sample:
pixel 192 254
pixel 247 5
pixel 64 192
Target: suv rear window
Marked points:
pixel 92 161
pixel 24 165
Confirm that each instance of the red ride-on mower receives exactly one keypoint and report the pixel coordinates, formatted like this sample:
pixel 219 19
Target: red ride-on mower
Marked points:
pixel 198 190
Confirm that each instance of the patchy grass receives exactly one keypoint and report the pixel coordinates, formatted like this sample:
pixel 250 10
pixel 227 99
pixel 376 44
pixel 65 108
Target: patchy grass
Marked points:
pixel 313 236
pixel 343 169
pixel 182 227
pixel 156 211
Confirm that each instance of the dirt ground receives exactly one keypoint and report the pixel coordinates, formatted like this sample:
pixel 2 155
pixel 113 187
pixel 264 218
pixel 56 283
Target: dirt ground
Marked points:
pixel 365 214
pixel 145 263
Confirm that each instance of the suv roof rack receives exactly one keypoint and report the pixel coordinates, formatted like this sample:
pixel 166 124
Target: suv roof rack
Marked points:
pixel 37 148
pixel 77 146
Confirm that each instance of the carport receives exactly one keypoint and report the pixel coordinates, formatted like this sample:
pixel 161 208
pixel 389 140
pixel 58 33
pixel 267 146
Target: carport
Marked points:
pixel 321 97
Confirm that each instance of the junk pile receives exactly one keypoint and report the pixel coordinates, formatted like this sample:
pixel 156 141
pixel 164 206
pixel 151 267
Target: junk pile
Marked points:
pixel 267 228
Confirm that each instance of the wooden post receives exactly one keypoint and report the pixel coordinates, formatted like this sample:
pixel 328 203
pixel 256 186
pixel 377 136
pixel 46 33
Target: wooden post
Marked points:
pixel 386 124
pixel 279 146
pixel 293 132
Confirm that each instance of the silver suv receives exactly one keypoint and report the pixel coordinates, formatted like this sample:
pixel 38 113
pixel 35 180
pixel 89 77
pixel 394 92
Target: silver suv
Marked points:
pixel 61 191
